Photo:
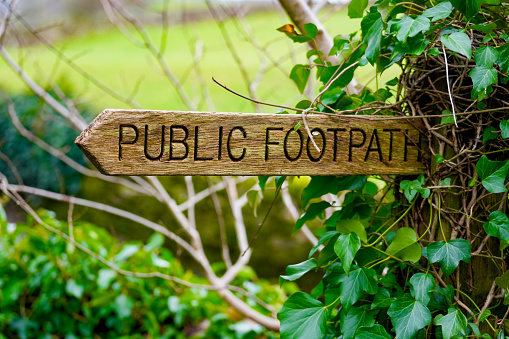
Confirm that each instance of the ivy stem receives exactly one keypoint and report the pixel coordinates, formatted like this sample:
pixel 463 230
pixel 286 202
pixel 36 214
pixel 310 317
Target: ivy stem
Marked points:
pixel 440 219
pixel 333 302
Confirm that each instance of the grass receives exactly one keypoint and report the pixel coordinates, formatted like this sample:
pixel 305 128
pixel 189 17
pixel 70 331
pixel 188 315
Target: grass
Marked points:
pixel 131 70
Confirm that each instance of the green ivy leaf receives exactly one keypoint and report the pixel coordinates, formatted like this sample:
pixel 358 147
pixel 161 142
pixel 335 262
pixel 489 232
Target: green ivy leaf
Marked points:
pixel 503 280
pixel 294 272
pixel 300 75
pixel 458 42
pixel 484 315
pixel 373 39
pixel 312 212
pixel 322 239
pixel 452 324
pixel 302 317
pixel 439 159
pixel 492 174
pixel 409 27
pixel 355 318
pixel 382 299
pixel 486 56
pixel 262 180
pixel 488 134
pixel 468 8
pixel 346 247
pixel 504 127
pixel 405 246
pixel 374 332
pixel 311 30
pixel 356 8
pixel 408 316
pixel 154 242
pixel 448 119
pixel 411 188
pixel 360 280
pixel 123 306
pixel 449 254
pixel 421 287
pixel 503 58
pixel 442 298
pixel 438 12
pixel 498 225
pixel 352 225
pixel 483 77
pixel 317 187
pixel 74 289
pixel 280 179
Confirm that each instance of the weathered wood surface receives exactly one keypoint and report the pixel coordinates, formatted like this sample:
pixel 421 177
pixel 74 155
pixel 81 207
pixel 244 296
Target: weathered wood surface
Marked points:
pixel 142 142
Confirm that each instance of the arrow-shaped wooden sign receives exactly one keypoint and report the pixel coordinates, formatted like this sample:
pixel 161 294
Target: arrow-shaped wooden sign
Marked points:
pixel 143 142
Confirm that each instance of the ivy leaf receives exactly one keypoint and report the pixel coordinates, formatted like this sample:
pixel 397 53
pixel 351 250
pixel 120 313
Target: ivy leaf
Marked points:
pixel 438 12
pixel 452 324
pixel 373 39
pixel 280 179
pixel 498 225
pixel 74 289
pixel 409 27
pixel 408 316
pixel 360 280
pixel 468 8
pixel 483 77
pixel 302 317
pixel 487 134
pixel 317 187
pixel 346 247
pixel 442 298
pixel 492 174
pixel 458 42
pixel 485 56
pixel 503 58
pixel 262 180
pixel 312 212
pixel 504 127
pixel 294 272
pixel 411 188
pixel 449 254
pixel 300 75
pixel 374 332
pixel 355 318
pixel 322 239
pixel 421 286
pixel 503 280
pixel 405 246
pixel 351 225
pixel 356 8
pixel 382 299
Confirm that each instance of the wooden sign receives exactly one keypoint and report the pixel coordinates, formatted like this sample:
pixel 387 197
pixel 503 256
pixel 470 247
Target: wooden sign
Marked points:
pixel 142 142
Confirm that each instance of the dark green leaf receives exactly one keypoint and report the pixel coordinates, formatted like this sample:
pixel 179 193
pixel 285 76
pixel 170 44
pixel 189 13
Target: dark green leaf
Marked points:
pixel 311 30
pixel 452 324
pixel 485 56
pixel 411 188
pixel 483 77
pixel 382 299
pixel 312 212
pixel 484 315
pixel 468 8
pixel 409 27
pixel 504 127
pixel 449 254
pixel 356 8
pixel 302 317
pixel 498 225
pixel 405 245
pixel 408 316
pixel 355 317
pixel 317 187
pixel 360 280
pixel 280 180
pixel 346 247
pixel 392 82
pixel 503 58
pixel 262 180
pixel 442 298
pixel 439 159
pixel 374 332
pixel 492 174
pixel 486 28
pixel 422 285
pixel 300 75
pixel 503 280
pixel 322 239
pixel 75 289
pixel 438 12
pixel 458 42
pixel 448 119
pixel 373 40
pixel 488 134
pixel 294 272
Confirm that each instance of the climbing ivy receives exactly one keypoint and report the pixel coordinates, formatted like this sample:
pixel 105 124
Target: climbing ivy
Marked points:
pixel 400 257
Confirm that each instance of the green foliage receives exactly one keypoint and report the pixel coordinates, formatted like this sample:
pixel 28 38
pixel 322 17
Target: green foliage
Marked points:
pixel 302 317
pixel 52 289
pixel 449 254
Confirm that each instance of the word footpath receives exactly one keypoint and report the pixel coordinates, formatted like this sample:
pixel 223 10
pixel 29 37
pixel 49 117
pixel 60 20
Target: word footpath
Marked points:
pixel 142 142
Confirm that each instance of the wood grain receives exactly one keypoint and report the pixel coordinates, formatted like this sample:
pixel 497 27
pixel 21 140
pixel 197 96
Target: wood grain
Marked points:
pixel 128 142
